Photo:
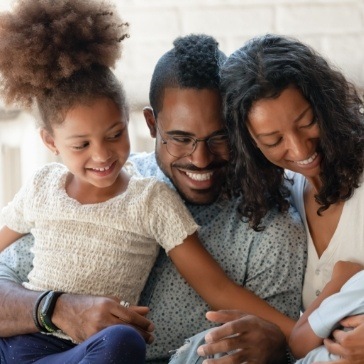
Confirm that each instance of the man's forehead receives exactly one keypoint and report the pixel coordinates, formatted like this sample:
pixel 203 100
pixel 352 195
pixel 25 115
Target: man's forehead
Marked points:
pixel 193 111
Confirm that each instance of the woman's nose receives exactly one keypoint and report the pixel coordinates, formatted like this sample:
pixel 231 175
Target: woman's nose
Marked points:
pixel 297 147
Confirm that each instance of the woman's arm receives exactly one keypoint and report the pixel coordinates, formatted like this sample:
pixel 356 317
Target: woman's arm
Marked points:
pixel 205 275
pixel 303 339
pixel 7 237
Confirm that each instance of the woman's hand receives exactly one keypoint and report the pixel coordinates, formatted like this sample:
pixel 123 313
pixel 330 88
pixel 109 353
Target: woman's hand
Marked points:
pixel 348 344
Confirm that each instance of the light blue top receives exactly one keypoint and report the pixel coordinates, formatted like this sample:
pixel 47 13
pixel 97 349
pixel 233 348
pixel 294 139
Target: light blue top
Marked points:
pixel 326 318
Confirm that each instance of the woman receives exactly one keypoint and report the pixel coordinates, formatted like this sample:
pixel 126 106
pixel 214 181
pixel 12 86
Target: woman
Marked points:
pixel 296 127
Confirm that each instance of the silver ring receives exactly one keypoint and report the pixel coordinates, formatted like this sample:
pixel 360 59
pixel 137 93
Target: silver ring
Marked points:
pixel 126 304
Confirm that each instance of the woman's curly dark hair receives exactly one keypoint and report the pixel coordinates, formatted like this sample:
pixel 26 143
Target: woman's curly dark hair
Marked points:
pixel 47 46
pixel 263 68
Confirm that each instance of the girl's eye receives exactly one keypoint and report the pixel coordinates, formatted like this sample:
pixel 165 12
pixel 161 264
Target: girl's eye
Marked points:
pixel 116 135
pixel 81 146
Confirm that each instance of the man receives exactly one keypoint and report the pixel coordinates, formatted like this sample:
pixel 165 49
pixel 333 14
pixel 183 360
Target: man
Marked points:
pixel 185 117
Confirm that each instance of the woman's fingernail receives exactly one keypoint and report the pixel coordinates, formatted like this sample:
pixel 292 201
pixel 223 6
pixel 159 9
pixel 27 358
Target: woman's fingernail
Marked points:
pixel 200 351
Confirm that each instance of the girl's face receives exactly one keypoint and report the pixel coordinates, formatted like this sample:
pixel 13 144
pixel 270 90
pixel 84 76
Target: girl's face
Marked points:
pixel 93 142
pixel 286 131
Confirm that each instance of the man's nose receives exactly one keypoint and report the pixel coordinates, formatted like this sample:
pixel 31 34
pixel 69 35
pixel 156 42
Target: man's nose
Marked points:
pixel 201 157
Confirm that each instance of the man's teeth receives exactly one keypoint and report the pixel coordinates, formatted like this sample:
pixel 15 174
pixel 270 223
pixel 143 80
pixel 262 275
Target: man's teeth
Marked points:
pixel 309 160
pixel 101 169
pixel 200 176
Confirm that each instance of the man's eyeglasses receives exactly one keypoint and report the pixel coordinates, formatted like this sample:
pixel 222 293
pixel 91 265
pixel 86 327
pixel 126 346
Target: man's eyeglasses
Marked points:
pixel 180 146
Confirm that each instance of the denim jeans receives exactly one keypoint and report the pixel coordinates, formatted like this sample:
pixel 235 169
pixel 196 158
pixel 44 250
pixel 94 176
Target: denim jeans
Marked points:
pixel 119 344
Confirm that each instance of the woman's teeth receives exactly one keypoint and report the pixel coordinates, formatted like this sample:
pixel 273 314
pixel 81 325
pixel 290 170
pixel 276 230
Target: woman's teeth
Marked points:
pixel 309 160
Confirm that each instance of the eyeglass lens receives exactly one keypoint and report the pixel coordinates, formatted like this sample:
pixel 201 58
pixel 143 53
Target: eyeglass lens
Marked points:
pixel 184 145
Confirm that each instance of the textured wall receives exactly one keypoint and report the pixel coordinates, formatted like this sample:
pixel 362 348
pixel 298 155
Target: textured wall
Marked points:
pixel 333 27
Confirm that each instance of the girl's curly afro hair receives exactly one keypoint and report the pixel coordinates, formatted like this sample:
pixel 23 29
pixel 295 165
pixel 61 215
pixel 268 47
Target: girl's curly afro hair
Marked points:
pixel 44 42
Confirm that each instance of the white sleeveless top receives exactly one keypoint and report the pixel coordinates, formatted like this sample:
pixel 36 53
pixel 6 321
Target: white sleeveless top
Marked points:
pixel 347 242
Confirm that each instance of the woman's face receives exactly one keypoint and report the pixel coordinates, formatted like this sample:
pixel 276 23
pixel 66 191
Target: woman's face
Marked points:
pixel 286 131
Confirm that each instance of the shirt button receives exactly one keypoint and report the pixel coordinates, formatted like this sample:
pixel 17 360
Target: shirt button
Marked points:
pixel 317 271
pixel 318 292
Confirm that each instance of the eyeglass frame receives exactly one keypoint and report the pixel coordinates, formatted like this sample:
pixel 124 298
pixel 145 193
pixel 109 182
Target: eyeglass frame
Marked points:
pixel 193 139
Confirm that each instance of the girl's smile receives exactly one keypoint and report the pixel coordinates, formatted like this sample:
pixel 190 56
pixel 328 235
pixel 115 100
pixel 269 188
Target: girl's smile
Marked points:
pixel 93 143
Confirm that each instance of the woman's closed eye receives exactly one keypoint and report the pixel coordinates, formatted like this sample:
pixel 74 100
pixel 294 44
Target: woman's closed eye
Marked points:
pixel 311 123
pixel 272 145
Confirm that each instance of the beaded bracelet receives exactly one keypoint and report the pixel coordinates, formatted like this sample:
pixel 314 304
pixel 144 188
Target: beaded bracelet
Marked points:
pixel 35 312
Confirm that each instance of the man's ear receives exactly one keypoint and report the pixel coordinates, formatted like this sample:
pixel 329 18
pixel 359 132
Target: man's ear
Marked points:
pixel 150 120
pixel 48 140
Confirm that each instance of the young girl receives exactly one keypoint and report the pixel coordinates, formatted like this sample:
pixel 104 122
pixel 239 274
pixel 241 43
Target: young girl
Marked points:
pixel 96 223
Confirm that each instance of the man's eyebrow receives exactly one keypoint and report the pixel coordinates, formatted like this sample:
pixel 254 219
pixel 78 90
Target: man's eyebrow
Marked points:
pixel 186 133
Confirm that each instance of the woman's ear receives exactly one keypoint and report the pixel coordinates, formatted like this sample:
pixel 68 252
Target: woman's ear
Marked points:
pixel 48 140
pixel 150 120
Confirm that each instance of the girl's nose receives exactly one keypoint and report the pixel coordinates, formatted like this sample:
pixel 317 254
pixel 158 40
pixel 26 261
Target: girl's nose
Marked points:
pixel 100 154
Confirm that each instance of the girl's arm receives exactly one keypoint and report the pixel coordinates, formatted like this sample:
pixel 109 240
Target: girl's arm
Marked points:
pixel 207 278
pixel 7 237
pixel 303 339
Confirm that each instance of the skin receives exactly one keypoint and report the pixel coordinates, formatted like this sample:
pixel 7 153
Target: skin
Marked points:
pixel 251 339
pixel 94 152
pixel 285 131
pixel 349 344
pixel 200 115
pixel 196 113
pixel 303 339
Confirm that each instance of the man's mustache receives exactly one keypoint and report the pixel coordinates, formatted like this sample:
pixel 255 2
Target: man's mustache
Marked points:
pixel 212 166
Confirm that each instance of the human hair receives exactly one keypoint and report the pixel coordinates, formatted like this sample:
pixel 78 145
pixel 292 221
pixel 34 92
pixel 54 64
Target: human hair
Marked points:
pixel 262 69
pixel 58 53
pixel 193 62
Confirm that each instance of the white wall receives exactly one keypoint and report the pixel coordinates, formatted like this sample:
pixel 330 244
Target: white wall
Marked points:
pixel 334 27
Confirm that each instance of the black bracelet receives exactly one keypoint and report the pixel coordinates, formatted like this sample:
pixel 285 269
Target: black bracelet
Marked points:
pixel 46 311
pixel 35 311
pixel 289 357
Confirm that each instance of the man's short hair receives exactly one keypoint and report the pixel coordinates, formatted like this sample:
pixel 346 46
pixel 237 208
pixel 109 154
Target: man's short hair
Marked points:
pixel 193 62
